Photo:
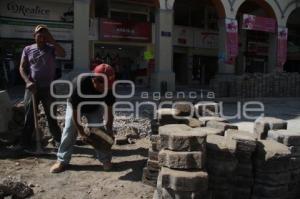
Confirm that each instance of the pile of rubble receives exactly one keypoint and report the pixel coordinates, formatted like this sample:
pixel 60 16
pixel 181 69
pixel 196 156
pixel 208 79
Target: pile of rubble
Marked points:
pixel 204 156
pixel 258 85
pixel 14 188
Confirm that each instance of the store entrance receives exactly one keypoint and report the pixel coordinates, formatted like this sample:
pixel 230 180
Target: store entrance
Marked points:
pixel 180 68
pixel 128 61
pixel 204 69
pixel 257 48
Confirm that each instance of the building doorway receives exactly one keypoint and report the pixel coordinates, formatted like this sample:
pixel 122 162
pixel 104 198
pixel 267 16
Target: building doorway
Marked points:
pixel 180 68
pixel 204 69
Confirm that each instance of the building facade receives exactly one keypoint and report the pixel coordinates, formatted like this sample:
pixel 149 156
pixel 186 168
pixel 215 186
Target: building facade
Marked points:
pixel 165 43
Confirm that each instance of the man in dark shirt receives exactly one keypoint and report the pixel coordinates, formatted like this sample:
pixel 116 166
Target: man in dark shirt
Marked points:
pixel 86 100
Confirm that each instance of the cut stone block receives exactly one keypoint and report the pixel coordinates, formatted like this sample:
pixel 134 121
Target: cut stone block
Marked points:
pixel 263 124
pixel 166 116
pixel 269 149
pixel 193 181
pixel 191 122
pixel 295 163
pixel 206 109
pixel 209 131
pixel 220 125
pixel 241 193
pixel 154 127
pixel 181 138
pixel 217 148
pixel 272 156
pixel 181 160
pixel 204 120
pixel 153 165
pixel 153 155
pixel 150 174
pixel 242 181
pixel 244 170
pixel 171 194
pixel 272 179
pixel 241 140
pixel 155 146
pixel 286 137
pixel 154 138
pixel 149 177
pixel 121 140
pixel 183 108
pixel 221 168
pixel 270 191
pixel 295 151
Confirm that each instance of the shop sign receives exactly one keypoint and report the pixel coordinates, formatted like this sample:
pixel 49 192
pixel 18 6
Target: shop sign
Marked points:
pixel 282 37
pixel 183 36
pixel 112 30
pixel 205 39
pixel 33 9
pixel 166 34
pixel 10 28
pixel 251 22
pixel 232 40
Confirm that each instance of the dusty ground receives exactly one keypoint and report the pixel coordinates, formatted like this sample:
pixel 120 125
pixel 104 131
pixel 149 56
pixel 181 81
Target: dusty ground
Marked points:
pixel 86 178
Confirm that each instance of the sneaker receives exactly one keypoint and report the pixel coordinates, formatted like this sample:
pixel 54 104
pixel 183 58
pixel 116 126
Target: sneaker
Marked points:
pixel 58 167
pixel 107 166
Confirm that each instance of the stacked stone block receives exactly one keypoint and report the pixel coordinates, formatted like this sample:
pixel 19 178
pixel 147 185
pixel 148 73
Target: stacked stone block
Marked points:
pixel 182 160
pixel 291 139
pixel 244 144
pixel 221 164
pixel 150 172
pixel 258 85
pixel 271 173
pixel 264 124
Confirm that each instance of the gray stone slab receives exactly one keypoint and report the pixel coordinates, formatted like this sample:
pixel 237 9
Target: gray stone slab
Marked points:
pixel 272 179
pixel 209 131
pixel 153 165
pixel 171 194
pixel 217 148
pixel 204 120
pixel 270 149
pixel 263 124
pixel 220 125
pixel 241 140
pixel 184 180
pixel 181 138
pixel 270 191
pixel 184 108
pixel 286 137
pixel 206 108
pixel 221 168
pixel 153 155
pixel 182 159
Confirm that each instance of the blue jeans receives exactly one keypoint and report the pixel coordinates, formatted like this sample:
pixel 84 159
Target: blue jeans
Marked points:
pixel 69 136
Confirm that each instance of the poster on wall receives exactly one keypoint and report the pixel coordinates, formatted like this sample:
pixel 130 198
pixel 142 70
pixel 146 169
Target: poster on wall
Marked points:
pixel 232 40
pixel 282 37
pixel 206 39
pixel 113 30
pixel 183 36
pixel 251 22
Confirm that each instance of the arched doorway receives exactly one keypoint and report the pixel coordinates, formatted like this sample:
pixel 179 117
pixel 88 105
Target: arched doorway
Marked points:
pixel 195 40
pixel 293 57
pixel 257 37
